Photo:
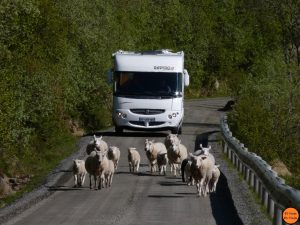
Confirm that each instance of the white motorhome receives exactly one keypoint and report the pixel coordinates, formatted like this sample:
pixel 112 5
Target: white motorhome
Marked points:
pixel 149 90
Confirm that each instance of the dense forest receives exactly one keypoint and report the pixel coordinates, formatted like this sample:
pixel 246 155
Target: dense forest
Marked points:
pixel 54 56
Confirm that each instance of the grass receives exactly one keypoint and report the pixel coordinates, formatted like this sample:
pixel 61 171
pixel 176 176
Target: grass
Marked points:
pixel 40 169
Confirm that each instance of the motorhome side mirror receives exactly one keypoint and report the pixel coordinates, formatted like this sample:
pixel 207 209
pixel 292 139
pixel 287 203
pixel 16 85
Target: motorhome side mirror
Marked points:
pixel 186 78
pixel 109 75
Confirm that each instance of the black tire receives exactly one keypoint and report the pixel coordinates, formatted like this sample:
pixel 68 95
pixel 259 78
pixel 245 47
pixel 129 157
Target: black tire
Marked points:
pixel 119 129
pixel 176 130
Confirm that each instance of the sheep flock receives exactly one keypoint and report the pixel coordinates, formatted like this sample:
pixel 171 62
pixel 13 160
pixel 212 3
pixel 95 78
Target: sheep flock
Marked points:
pixel 196 168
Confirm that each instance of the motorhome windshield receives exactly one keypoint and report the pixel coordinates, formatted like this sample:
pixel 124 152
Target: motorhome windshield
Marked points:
pixel 148 84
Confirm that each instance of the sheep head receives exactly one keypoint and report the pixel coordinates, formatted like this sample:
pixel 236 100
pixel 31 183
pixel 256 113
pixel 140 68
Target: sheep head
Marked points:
pixel 198 160
pixel 175 147
pixel 149 145
pixel 205 150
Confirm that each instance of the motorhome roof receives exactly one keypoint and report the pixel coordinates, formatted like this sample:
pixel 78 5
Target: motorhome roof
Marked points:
pixel 151 52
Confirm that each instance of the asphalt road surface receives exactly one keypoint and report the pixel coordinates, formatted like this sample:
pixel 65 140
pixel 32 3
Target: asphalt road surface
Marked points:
pixel 144 198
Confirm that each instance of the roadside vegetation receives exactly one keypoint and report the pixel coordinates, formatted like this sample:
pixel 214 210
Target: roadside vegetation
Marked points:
pixel 54 56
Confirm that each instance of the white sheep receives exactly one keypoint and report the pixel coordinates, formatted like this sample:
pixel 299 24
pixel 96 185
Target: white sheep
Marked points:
pixel 114 155
pixel 176 154
pixel 79 172
pixel 96 144
pixel 215 178
pixel 169 140
pixel 134 159
pixel 162 161
pixel 92 165
pixel 201 170
pixel 107 170
pixel 152 148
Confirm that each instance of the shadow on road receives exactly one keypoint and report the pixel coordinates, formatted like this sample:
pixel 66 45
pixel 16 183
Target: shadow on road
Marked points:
pixel 222 205
pixel 129 134
pixel 67 188
pixel 203 139
pixel 208 125
pixel 165 196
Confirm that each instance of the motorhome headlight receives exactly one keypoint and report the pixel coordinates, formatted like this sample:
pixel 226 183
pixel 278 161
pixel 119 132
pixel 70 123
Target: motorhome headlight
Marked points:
pixel 121 115
pixel 170 116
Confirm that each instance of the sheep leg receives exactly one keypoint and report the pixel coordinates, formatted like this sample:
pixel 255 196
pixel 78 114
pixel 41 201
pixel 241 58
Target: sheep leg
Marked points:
pixel 90 181
pixel 95 182
pixel 198 188
pixel 137 166
pixel 110 179
pixel 83 179
pixel 130 168
pixel 75 180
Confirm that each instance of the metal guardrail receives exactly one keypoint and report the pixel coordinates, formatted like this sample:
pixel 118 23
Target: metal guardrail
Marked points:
pixel 272 191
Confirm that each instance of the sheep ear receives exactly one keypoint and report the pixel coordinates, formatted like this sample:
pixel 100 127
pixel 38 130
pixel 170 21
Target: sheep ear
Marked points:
pixel 95 137
pixel 209 148
pixel 201 146
pixel 100 138
pixel 153 141
pixel 217 166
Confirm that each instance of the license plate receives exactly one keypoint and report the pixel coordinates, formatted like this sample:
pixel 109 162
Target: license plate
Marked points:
pixel 146 119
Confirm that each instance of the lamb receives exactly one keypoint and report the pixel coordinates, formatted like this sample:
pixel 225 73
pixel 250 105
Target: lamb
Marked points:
pixel 176 154
pixel 201 170
pixel 114 155
pixel 79 172
pixel 152 148
pixel 186 171
pixel 96 144
pixel 214 180
pixel 162 161
pixel 134 159
pixel 107 170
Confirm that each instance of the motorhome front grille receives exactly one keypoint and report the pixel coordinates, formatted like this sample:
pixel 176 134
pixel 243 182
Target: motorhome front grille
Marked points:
pixel 147 111
pixel 141 123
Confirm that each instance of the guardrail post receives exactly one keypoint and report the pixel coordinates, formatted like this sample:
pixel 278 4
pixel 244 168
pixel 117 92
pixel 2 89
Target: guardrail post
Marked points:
pixel 270 206
pixel 225 147
pixel 277 216
pixel 257 185
pixel 264 196
pixel 229 154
